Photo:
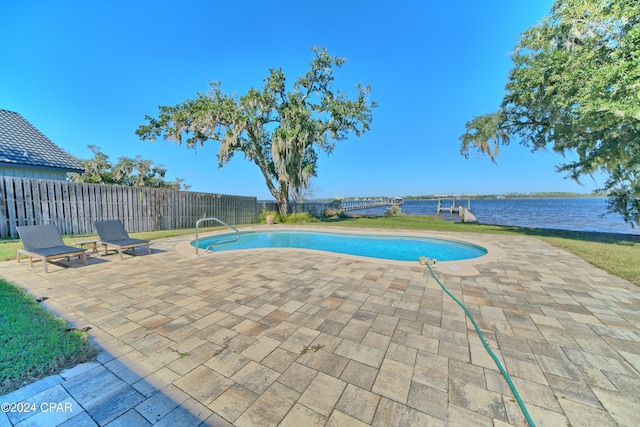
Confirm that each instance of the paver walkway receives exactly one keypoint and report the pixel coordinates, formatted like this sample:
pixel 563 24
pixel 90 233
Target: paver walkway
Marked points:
pixel 293 338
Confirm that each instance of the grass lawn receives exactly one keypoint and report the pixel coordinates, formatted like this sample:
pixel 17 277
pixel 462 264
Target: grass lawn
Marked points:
pixel 33 342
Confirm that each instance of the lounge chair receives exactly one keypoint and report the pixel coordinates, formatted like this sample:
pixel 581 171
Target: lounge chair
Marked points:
pixel 112 233
pixel 43 242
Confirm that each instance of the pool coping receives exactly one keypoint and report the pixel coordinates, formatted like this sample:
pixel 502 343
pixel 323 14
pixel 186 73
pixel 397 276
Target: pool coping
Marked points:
pixel 455 268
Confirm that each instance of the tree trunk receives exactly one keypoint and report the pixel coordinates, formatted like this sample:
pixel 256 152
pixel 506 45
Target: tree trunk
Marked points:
pixel 283 204
pixel 282 198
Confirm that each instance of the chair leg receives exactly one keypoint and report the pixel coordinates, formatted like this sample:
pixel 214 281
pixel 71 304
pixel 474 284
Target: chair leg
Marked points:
pixel 120 252
pixel 44 262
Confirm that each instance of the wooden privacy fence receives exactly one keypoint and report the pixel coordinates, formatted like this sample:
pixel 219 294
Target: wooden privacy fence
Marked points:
pixel 73 207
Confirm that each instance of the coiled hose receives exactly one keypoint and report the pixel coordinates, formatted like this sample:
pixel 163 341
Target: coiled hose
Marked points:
pixel 427 262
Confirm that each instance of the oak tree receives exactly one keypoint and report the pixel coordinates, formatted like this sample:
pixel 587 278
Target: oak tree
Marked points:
pixel 136 172
pixel 280 129
pixel 575 88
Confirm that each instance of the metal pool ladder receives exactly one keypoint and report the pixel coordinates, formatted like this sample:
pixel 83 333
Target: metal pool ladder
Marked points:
pixel 211 218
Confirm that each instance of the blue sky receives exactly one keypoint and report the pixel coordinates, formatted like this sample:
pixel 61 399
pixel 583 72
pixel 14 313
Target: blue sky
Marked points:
pixel 87 73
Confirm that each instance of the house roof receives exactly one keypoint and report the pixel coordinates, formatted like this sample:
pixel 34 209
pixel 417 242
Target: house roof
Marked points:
pixel 21 144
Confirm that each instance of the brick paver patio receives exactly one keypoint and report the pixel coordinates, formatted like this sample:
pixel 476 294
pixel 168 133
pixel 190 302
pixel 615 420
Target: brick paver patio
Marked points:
pixel 301 338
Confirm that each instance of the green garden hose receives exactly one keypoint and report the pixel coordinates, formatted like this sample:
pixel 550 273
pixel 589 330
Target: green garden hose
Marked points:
pixel 427 262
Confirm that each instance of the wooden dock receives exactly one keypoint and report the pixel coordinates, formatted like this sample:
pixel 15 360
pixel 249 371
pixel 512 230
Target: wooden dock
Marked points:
pixel 464 212
pixel 359 204
pixel 453 208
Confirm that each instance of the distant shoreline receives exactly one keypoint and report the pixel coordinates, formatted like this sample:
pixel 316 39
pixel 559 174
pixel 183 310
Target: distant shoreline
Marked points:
pixel 550 195
pixel 576 213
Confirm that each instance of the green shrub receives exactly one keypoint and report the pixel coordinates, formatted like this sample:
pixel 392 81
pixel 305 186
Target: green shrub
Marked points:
pixel 393 210
pixel 297 218
pixel 292 218
pixel 334 213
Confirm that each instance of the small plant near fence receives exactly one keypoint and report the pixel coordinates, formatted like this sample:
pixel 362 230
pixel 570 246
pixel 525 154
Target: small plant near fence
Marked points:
pixel 262 218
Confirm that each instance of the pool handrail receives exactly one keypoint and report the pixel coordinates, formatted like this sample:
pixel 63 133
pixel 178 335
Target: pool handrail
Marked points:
pixel 212 218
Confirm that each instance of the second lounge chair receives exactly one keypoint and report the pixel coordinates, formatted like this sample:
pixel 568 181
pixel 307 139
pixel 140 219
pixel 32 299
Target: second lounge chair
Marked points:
pixel 113 233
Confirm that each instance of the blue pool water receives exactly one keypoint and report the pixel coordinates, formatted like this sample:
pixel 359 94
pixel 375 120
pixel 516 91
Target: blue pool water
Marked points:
pixel 398 248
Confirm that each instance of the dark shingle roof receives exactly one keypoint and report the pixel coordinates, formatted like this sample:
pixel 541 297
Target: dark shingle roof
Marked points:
pixel 22 144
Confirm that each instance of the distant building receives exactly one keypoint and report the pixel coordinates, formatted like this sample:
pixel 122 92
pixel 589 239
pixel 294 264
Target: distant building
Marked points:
pixel 27 153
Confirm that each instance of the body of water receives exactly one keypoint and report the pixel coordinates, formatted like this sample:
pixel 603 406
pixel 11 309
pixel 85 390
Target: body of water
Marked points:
pixel 578 214
pixel 399 248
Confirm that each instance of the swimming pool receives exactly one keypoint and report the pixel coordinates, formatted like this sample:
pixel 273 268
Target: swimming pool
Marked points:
pixel 397 248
